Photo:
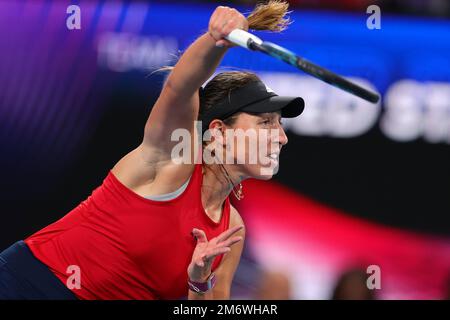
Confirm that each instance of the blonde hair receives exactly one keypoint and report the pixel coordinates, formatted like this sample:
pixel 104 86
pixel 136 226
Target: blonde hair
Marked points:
pixel 269 16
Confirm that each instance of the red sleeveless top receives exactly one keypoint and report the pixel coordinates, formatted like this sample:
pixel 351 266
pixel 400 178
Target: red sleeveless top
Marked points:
pixel 127 246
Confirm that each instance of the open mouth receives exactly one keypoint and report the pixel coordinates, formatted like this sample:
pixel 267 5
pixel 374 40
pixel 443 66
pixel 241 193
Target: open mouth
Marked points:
pixel 274 158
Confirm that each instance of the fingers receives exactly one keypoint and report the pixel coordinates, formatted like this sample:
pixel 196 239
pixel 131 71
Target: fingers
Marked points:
pixel 228 233
pixel 213 22
pixel 207 257
pixel 223 21
pixel 216 249
pixel 216 22
pixel 230 242
pixel 199 235
pixel 222 43
pixel 215 252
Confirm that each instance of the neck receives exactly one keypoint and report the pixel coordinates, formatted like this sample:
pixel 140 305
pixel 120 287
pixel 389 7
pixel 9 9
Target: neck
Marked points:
pixel 216 187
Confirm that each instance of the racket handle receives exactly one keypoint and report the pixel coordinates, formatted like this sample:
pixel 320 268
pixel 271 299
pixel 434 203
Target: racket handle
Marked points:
pixel 242 38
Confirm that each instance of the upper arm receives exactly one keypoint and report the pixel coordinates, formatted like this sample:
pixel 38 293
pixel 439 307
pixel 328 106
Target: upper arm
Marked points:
pixel 152 159
pixel 173 110
pixel 227 268
pixel 178 105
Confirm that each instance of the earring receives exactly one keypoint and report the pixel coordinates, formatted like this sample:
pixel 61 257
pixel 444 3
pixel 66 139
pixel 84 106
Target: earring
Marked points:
pixel 239 194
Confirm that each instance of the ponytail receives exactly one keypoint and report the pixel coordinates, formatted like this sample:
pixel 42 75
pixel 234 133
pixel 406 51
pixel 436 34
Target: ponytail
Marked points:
pixel 269 16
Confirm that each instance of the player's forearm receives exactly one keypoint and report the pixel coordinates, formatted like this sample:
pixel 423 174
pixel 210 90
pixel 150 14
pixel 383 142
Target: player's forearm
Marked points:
pixel 195 66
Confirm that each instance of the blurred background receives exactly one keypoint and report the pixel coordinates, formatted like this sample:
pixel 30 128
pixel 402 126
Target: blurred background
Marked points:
pixel 359 184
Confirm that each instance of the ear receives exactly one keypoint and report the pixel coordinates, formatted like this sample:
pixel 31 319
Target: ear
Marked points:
pixel 217 129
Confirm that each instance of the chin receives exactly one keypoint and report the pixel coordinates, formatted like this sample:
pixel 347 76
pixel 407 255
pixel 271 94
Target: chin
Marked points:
pixel 265 177
pixel 263 172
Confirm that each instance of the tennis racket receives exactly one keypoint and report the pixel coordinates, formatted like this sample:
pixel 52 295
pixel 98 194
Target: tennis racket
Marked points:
pixel 249 41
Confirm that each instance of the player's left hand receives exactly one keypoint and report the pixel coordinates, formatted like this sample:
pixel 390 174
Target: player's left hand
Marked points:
pixel 205 251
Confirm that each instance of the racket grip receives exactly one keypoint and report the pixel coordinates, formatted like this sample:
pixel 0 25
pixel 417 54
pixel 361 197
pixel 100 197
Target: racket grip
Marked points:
pixel 242 38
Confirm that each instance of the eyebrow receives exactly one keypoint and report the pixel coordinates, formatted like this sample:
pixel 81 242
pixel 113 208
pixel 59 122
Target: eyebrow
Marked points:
pixel 272 115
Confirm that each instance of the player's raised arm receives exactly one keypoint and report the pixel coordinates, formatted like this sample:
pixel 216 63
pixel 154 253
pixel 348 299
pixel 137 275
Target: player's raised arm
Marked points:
pixel 178 103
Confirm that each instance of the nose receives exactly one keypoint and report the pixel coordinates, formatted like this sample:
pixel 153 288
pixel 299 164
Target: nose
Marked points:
pixel 283 139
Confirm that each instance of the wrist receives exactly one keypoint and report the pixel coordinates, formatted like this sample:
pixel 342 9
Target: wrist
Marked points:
pixel 212 36
pixel 202 287
pixel 214 40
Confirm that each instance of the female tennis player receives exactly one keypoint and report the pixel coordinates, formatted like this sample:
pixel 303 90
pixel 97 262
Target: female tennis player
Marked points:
pixel 157 228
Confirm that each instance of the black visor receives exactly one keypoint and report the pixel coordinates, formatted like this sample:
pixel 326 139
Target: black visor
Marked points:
pixel 254 97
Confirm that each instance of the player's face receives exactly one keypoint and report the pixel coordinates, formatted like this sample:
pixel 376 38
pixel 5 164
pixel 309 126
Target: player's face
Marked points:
pixel 257 139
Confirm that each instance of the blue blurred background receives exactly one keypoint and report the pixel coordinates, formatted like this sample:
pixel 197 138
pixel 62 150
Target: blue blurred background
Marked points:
pixel 359 184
